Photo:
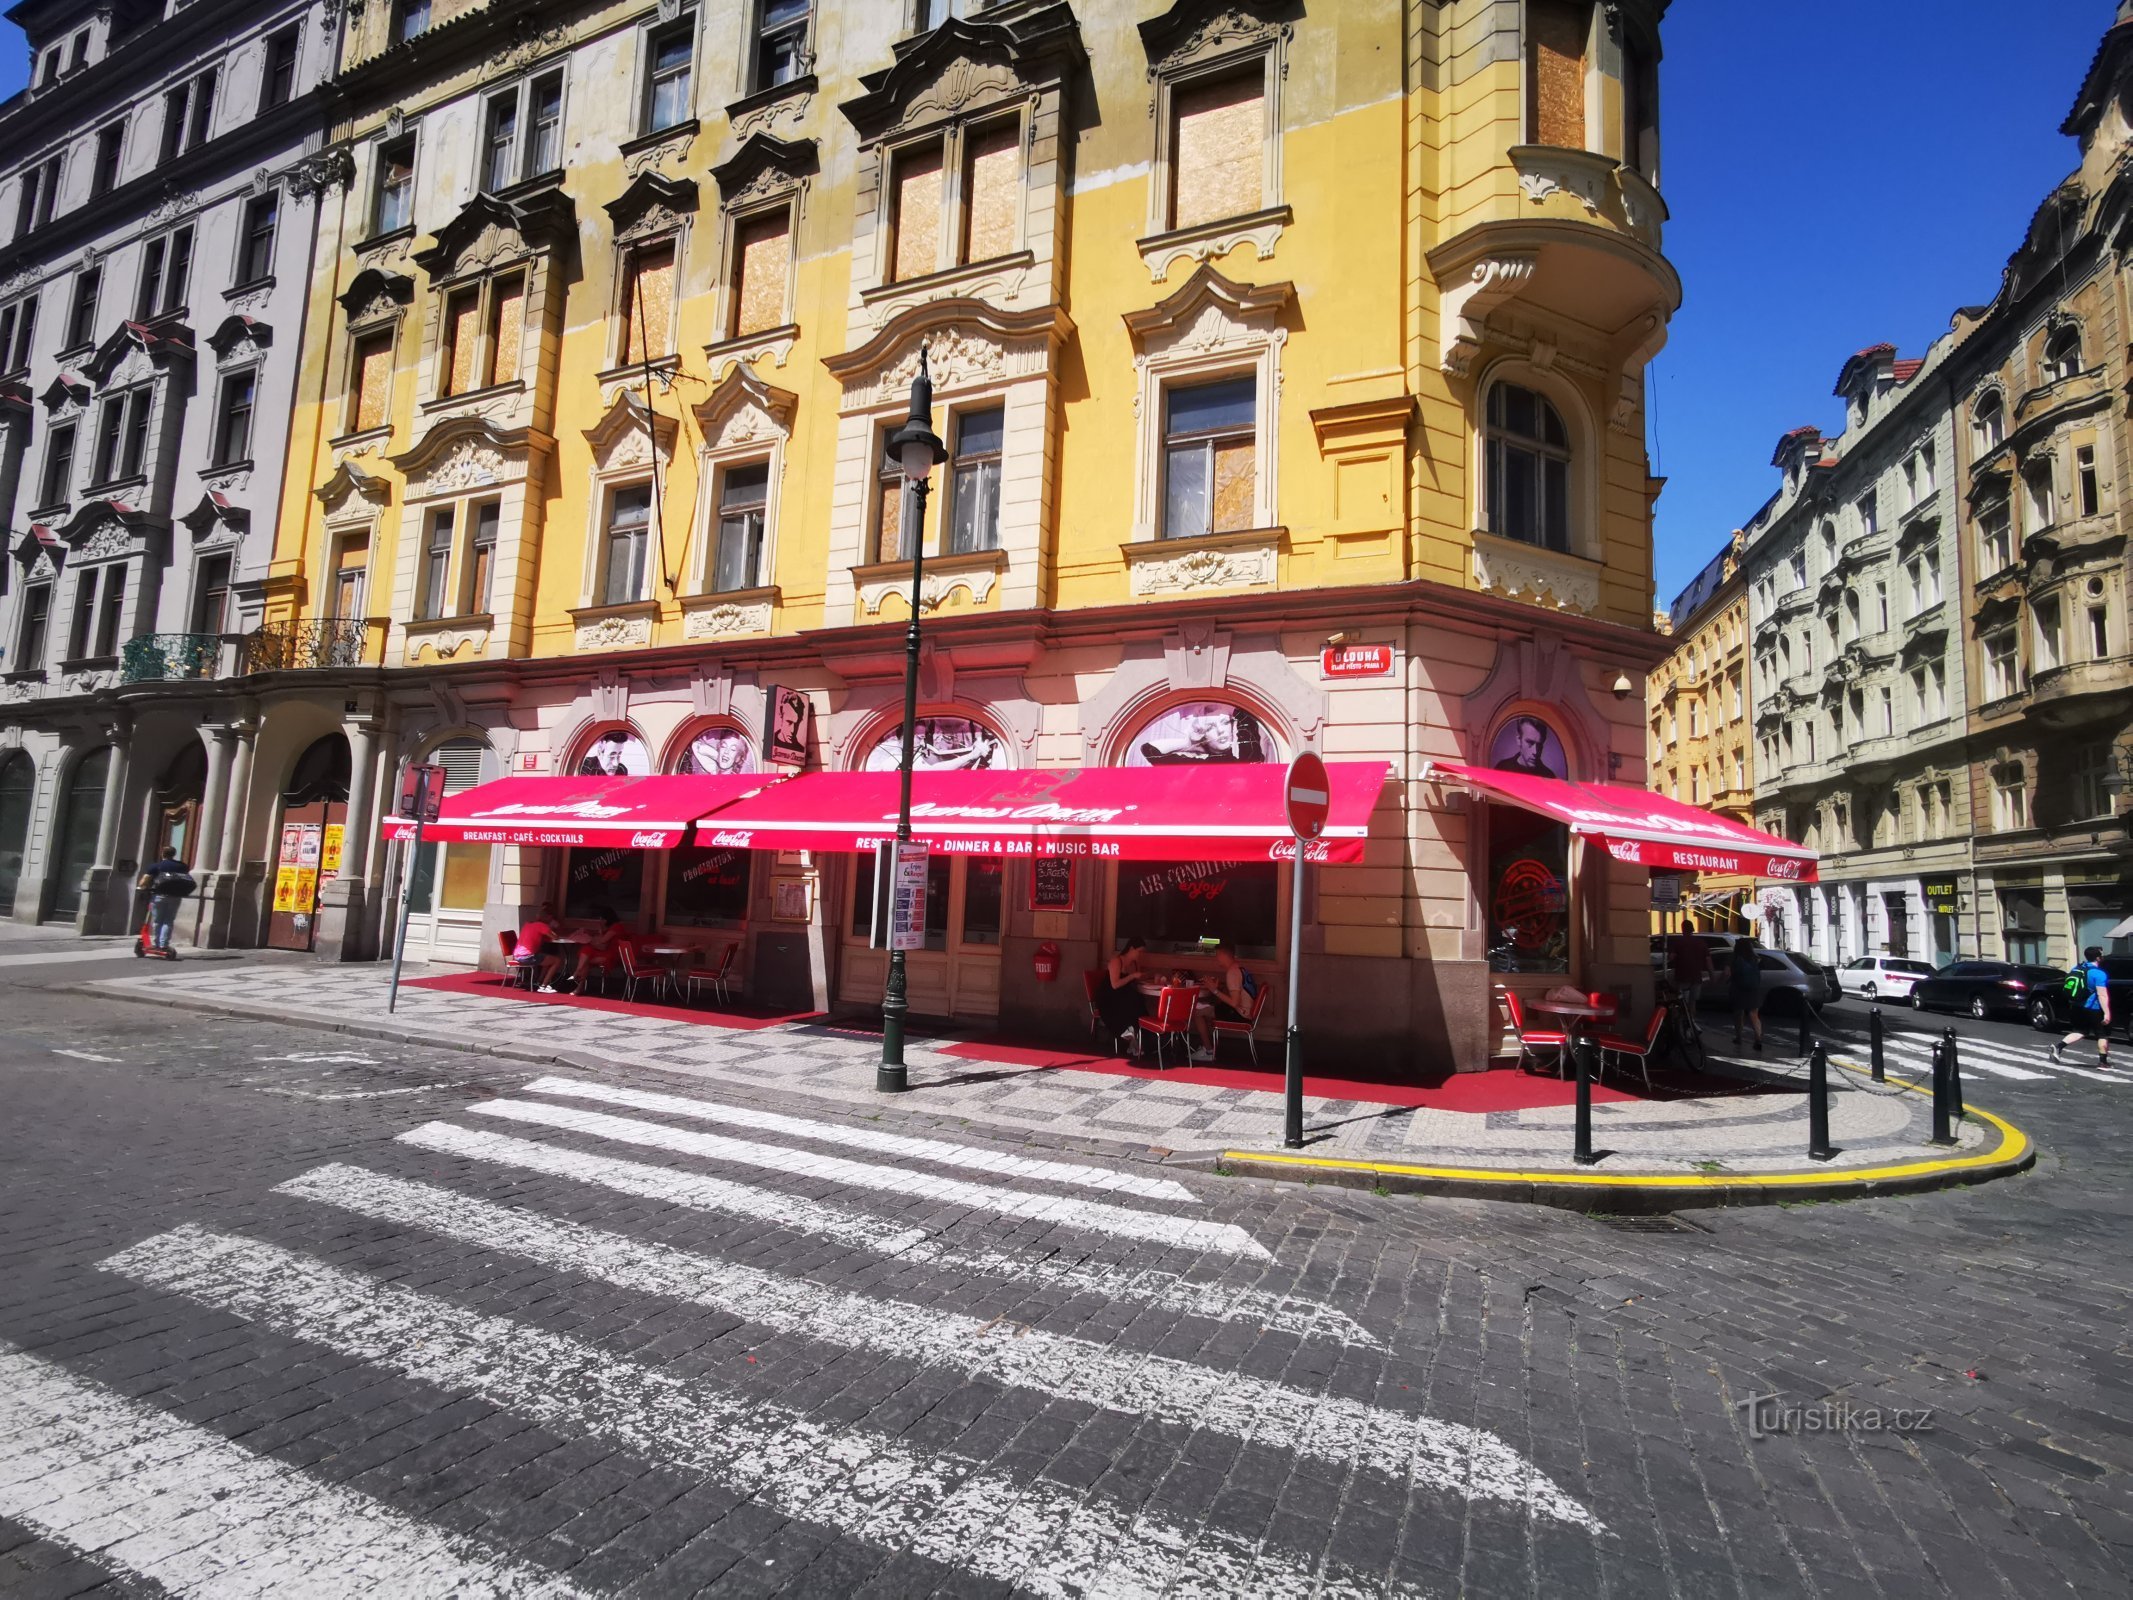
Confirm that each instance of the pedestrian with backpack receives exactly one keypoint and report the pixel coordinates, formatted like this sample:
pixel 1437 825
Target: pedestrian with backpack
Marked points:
pixel 168 881
pixel 2092 1014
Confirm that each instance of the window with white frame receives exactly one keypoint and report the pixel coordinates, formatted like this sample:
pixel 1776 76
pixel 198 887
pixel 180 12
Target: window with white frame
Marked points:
pixel 2010 797
pixel 780 42
pixel 2048 648
pixel 669 55
pixel 484 331
pixel 1988 422
pixel 1528 455
pixel 1869 513
pixel 892 540
pixel 433 591
pixel 409 18
pixel 122 434
pixel 2037 488
pixel 1888 711
pixel 392 201
pixel 81 317
pixel 233 417
pixel 350 575
pixel 2088 500
pixel 255 244
pixel 1210 448
pixel 2091 765
pixel 1881 606
pixel 522 132
pixel 108 168
pixel 625 546
pixel 1995 537
pixel 974 480
pixel 99 609
pixel 370 373
pixel 166 275
pixel 2062 353
pixel 2003 664
pixel 647 310
pixel 37 195
pixel 57 484
pixel 743 500
pixel 759 273
pixel 478 592
pixel 211 595
pixel 188 115
pixel 2099 617
pixel 18 329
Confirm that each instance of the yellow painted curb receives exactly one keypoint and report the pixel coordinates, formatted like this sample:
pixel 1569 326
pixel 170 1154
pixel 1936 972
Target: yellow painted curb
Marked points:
pixel 2013 1145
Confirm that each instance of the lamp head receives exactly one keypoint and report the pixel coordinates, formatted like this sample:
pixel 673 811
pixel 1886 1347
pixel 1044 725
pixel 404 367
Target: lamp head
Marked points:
pixel 916 447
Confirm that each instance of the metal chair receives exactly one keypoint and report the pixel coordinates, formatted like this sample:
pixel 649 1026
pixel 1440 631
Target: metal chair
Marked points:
pixel 1532 1041
pixel 633 974
pixel 1245 1027
pixel 717 979
pixel 520 972
pixel 1172 1019
pixel 1091 987
pixel 1612 1044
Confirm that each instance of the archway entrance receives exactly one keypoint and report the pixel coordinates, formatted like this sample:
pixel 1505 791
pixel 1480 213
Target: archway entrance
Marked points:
pixel 74 838
pixel 313 815
pixel 177 800
pixel 18 790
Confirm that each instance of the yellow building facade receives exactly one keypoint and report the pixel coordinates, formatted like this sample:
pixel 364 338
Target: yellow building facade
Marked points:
pixel 1701 701
pixel 1289 363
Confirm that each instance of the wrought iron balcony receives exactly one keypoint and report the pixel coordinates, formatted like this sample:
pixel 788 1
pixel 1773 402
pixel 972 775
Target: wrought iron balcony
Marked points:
pixel 171 657
pixel 309 646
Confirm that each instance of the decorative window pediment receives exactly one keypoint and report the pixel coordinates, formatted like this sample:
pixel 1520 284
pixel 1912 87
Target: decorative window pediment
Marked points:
pixel 964 66
pixel 375 296
pixel 467 452
pixel 1195 31
pixel 1209 311
pixel 41 551
pixel 215 519
pixel 745 409
pixel 136 352
pixel 105 529
pixel 350 486
pixel 70 390
pixel 239 338
pixel 651 206
pixel 619 440
pixel 491 232
pixel 969 343
pixel 763 166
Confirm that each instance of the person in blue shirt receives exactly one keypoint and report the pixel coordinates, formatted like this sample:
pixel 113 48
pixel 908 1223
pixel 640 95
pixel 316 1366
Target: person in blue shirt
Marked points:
pixel 168 881
pixel 2092 1020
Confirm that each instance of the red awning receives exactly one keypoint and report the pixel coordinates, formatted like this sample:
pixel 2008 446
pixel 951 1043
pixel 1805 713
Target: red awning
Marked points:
pixel 632 813
pixel 1213 812
pixel 1641 827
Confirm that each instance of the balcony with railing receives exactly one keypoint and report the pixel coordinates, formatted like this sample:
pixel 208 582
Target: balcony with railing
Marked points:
pixel 176 657
pixel 320 644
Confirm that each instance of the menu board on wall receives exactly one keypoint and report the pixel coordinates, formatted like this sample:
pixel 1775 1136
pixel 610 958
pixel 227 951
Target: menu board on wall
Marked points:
pixel 1051 884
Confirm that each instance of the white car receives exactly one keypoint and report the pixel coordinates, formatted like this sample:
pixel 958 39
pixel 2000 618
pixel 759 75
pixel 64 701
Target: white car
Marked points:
pixel 1881 977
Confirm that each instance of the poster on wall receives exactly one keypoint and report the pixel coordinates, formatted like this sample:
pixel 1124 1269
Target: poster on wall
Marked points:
pixel 791 900
pixel 285 889
pixel 616 753
pixel 1199 733
pixel 329 855
pixel 1528 745
pixel 716 753
pixel 938 744
pixel 785 719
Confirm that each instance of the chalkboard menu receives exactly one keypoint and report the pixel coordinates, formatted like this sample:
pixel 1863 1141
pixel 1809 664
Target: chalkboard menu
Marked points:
pixel 1051 884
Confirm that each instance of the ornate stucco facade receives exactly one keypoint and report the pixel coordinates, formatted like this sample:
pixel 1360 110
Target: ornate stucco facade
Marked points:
pixel 1700 701
pixel 1253 327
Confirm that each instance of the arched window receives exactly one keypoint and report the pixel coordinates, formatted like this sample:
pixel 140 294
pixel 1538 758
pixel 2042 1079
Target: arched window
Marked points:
pixel 716 749
pixel 2062 353
pixel 74 840
pixel 18 783
pixel 1988 420
pixel 1529 457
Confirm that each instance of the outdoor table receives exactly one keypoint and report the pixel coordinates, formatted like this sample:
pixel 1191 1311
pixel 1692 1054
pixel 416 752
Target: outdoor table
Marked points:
pixel 1578 1015
pixel 671 959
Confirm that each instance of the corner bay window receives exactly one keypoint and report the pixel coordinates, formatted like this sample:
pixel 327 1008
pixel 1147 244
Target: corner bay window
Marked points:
pixel 1209 459
pixel 739 559
pixel 1528 451
pixel 628 540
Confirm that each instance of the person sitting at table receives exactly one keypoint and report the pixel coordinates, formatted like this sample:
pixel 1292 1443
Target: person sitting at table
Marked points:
pixel 536 943
pixel 599 946
pixel 1119 1000
pixel 1230 992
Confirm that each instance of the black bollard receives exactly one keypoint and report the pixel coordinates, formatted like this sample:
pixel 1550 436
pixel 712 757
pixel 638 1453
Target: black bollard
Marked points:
pixel 1941 1135
pixel 1818 1106
pixel 1955 1077
pixel 1873 1023
pixel 1807 1022
pixel 1581 1053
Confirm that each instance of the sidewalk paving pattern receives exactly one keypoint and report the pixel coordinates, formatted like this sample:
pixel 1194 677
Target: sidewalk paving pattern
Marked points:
pixel 1871 1125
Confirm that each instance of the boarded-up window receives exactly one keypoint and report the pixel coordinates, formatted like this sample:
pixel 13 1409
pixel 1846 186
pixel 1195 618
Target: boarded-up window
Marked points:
pixel 992 191
pixel 648 291
pixel 462 339
pixel 918 213
pixel 507 328
pixel 1218 150
pixel 1556 31
pixel 762 253
pixel 889 533
pixel 370 373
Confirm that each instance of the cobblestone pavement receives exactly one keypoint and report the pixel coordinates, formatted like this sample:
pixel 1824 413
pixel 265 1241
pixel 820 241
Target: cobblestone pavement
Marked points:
pixel 1871 1125
pixel 323 1314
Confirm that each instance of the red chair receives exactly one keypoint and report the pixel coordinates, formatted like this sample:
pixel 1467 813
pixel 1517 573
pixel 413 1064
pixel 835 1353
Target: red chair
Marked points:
pixel 1091 987
pixel 520 972
pixel 717 978
pixel 1244 1027
pixel 1532 1041
pixel 633 974
pixel 1172 1019
pixel 1615 1045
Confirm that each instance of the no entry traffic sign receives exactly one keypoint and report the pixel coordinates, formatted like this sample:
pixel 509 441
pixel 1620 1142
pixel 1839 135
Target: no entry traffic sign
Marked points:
pixel 1306 795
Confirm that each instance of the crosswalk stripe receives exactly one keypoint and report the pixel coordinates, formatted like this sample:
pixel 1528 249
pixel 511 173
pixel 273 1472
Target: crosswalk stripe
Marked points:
pixel 937 1151
pixel 1069 1211
pixel 1410 1450
pixel 858 1230
pixel 1997 1057
pixel 146 1495
pixel 1038 1535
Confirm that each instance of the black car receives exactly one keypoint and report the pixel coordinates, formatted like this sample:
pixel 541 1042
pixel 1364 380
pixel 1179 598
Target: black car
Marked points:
pixel 2052 1010
pixel 1985 988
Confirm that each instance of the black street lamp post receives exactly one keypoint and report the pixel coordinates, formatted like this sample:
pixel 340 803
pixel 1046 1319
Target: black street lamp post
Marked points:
pixel 918 450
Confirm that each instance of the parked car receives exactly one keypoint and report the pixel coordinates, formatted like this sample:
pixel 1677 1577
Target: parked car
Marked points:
pixel 1985 988
pixel 1872 977
pixel 1789 979
pixel 1720 946
pixel 2051 1010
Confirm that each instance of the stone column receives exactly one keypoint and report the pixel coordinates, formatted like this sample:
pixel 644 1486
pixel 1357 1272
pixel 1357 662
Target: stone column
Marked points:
pixel 225 889
pixel 207 853
pixel 342 903
pixel 104 908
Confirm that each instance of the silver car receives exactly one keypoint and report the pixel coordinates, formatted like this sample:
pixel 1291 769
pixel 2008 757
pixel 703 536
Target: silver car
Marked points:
pixel 1790 978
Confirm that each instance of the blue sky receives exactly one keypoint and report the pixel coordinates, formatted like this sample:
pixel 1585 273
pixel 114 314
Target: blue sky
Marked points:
pixel 1836 178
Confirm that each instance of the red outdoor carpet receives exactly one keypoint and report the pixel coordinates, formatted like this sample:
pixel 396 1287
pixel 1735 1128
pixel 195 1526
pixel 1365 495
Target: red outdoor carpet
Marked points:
pixel 498 987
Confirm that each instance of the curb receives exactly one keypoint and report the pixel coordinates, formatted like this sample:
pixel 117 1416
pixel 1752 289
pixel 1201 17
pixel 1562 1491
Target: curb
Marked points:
pixel 1643 1194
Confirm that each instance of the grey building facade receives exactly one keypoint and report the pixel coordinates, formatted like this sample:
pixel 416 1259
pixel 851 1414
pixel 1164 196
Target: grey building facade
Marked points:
pixel 156 227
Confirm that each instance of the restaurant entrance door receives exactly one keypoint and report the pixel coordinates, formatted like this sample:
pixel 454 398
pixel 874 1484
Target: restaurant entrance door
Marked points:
pixel 957 974
pixel 308 843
